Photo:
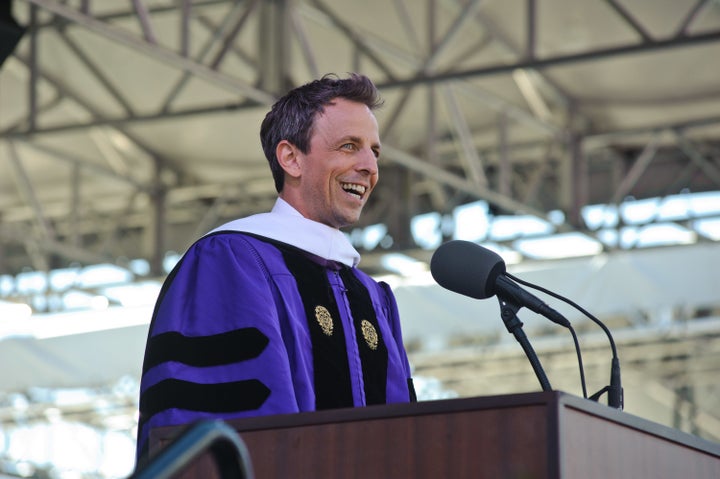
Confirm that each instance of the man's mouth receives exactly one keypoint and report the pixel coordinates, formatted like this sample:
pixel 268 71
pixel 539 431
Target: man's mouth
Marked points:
pixel 354 189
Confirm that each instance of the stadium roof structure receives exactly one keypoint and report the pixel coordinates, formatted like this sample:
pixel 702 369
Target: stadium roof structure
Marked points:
pixel 128 128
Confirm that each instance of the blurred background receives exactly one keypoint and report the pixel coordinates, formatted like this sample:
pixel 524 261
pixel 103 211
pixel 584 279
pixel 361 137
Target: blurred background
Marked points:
pixel 579 139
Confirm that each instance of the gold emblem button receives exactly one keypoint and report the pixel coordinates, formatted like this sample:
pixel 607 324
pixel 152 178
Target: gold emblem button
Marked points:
pixel 369 333
pixel 322 315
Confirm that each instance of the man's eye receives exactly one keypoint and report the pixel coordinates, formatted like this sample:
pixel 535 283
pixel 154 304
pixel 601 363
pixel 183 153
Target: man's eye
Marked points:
pixel 349 146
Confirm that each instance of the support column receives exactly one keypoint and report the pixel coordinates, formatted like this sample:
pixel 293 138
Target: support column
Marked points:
pixel 505 174
pixel 577 179
pixel 156 228
pixel 274 45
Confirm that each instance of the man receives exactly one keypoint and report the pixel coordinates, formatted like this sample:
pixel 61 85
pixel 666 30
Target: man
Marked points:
pixel 269 314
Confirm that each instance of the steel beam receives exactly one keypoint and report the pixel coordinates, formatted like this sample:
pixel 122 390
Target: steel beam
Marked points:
pixel 157 52
pixel 237 15
pixel 459 183
pixel 542 63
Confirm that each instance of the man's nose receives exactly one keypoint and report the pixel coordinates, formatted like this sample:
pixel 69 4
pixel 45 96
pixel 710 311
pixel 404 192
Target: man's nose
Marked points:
pixel 367 161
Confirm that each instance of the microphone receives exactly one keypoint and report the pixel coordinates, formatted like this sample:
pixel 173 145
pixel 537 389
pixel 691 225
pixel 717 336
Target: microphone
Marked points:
pixel 471 270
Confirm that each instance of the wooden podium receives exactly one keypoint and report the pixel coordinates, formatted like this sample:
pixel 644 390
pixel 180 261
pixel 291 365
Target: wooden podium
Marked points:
pixel 534 435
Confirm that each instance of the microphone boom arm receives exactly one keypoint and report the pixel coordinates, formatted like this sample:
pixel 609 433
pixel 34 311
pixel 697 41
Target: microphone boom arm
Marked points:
pixel 508 313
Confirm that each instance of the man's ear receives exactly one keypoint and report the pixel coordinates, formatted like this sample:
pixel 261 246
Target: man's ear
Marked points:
pixel 289 158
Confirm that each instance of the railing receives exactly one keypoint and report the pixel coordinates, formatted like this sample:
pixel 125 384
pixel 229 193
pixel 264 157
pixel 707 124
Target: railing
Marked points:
pixel 214 436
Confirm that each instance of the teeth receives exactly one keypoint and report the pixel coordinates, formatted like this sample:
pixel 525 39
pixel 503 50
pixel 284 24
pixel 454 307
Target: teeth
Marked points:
pixel 354 188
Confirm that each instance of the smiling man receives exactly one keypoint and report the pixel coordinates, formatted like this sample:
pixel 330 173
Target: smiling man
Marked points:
pixel 269 314
pixel 331 181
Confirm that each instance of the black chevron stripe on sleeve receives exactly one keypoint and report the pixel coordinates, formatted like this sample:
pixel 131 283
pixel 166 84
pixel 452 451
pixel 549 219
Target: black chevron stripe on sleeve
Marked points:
pixel 202 351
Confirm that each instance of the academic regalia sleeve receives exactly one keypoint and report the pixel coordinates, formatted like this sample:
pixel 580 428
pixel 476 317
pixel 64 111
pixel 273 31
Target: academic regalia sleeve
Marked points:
pixel 215 345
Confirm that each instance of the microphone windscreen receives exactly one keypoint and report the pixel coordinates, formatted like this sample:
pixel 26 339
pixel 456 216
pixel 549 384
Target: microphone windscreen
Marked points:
pixel 466 268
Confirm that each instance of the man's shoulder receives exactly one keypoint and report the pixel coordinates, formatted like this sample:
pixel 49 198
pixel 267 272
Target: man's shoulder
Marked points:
pixel 247 239
pixel 230 236
pixel 217 247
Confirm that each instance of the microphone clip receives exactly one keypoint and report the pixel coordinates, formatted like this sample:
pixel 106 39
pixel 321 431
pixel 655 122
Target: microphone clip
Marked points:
pixel 615 391
pixel 508 314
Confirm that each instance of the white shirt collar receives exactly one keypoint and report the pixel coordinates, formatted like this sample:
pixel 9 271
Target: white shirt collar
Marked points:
pixel 285 223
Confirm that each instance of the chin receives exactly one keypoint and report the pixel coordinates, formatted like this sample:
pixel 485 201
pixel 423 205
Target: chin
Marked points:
pixel 349 218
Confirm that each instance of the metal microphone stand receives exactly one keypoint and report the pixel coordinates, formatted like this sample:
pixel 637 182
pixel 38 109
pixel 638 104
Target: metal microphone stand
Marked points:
pixel 508 313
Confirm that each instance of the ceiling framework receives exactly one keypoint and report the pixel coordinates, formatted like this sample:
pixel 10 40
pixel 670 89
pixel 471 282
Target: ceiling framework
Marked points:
pixel 129 128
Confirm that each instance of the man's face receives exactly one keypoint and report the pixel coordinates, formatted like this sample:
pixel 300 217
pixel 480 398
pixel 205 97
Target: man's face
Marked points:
pixel 340 169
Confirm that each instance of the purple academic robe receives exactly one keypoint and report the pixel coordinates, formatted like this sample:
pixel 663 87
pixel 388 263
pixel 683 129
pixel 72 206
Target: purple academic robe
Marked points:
pixel 247 326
